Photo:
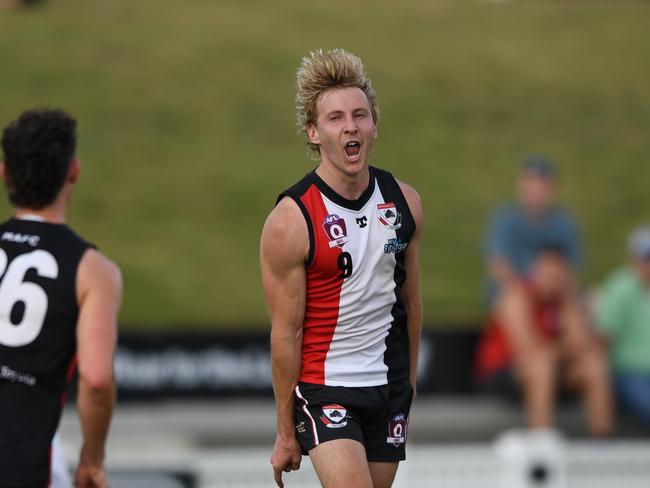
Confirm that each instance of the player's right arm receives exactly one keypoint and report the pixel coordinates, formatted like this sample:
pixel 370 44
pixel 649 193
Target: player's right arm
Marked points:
pixel 99 294
pixel 283 249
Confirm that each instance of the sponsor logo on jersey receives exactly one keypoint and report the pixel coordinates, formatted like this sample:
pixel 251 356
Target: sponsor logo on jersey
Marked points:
pixel 32 240
pixel 336 231
pixel 300 427
pixel 334 416
pixel 395 245
pixel 389 216
pixel 397 430
pixel 13 376
pixel 362 222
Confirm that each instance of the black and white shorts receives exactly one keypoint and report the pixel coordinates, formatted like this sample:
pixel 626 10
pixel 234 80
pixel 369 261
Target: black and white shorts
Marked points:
pixel 376 416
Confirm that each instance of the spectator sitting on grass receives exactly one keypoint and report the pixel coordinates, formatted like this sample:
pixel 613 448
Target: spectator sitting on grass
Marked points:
pixel 538 341
pixel 623 315
pixel 517 231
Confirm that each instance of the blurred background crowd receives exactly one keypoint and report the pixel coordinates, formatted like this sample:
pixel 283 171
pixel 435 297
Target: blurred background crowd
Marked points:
pixel 546 332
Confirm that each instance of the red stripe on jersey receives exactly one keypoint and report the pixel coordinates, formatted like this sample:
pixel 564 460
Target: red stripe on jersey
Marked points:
pixel 72 367
pixel 324 282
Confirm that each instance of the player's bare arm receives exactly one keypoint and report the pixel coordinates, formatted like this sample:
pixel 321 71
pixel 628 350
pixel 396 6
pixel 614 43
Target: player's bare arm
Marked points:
pixel 99 293
pixel 283 250
pixel 411 295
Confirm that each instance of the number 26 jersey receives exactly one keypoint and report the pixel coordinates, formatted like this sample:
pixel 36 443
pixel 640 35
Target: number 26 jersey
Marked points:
pixel 354 330
pixel 38 320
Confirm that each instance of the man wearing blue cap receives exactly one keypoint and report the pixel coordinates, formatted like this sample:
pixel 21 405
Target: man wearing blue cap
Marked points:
pixel 518 231
pixel 623 315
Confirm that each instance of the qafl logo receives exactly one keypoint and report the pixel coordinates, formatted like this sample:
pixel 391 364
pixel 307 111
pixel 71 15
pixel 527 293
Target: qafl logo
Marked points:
pixel 397 430
pixel 336 231
pixel 389 216
pixel 334 416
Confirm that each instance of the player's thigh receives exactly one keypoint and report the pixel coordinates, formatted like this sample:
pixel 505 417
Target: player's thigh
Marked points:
pixel 385 428
pixel 341 462
pixel 382 473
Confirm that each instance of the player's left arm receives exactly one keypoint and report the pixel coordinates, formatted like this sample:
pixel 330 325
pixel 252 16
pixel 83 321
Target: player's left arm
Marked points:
pixel 410 293
pixel 99 293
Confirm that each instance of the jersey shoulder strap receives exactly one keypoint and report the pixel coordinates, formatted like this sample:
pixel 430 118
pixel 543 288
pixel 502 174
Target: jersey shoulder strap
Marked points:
pixel 295 193
pixel 391 191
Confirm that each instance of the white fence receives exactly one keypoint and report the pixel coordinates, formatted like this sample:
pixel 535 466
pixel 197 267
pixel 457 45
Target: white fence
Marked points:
pixel 589 465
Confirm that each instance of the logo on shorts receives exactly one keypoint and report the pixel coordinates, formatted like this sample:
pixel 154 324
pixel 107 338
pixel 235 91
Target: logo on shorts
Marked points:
pixel 397 430
pixel 300 427
pixel 336 230
pixel 389 216
pixel 334 416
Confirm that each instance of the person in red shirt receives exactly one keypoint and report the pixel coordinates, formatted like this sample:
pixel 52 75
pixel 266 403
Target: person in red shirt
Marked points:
pixel 538 338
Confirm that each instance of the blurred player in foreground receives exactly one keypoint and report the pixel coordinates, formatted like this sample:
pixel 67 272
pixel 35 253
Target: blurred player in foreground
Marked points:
pixel 59 301
pixel 339 256
pixel 539 338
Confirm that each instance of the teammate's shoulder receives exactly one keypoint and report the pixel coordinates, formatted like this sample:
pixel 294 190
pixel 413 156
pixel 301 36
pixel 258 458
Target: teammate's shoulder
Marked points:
pixel 73 235
pixel 98 264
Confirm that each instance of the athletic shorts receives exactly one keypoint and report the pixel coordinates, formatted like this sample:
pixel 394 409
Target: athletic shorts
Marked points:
pixel 376 416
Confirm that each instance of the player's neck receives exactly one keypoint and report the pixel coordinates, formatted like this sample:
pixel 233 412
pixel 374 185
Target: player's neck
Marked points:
pixel 349 186
pixel 54 214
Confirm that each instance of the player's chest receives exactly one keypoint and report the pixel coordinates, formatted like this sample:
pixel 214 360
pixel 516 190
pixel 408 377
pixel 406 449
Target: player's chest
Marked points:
pixel 370 239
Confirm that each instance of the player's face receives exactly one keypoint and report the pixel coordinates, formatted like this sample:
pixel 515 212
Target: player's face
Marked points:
pixel 344 129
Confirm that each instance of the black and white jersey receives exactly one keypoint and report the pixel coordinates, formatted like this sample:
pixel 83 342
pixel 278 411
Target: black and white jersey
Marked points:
pixel 38 319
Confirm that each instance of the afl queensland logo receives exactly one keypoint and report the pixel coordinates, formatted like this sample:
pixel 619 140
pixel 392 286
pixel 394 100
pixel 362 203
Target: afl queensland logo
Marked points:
pixel 334 416
pixel 336 231
pixel 397 430
pixel 389 216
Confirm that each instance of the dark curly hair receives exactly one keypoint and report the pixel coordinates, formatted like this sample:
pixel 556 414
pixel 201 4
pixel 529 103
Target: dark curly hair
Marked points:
pixel 38 149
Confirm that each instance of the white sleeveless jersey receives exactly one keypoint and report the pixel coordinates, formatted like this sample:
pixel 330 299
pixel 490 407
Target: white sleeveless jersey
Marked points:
pixel 354 331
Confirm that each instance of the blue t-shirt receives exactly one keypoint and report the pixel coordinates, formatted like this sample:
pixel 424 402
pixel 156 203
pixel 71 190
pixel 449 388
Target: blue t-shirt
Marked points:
pixel 517 237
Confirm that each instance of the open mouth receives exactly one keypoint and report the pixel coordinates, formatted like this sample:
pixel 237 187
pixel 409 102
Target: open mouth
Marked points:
pixel 352 148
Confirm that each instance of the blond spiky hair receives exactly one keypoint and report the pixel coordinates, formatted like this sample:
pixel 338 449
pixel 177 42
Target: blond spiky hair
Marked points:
pixel 320 72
